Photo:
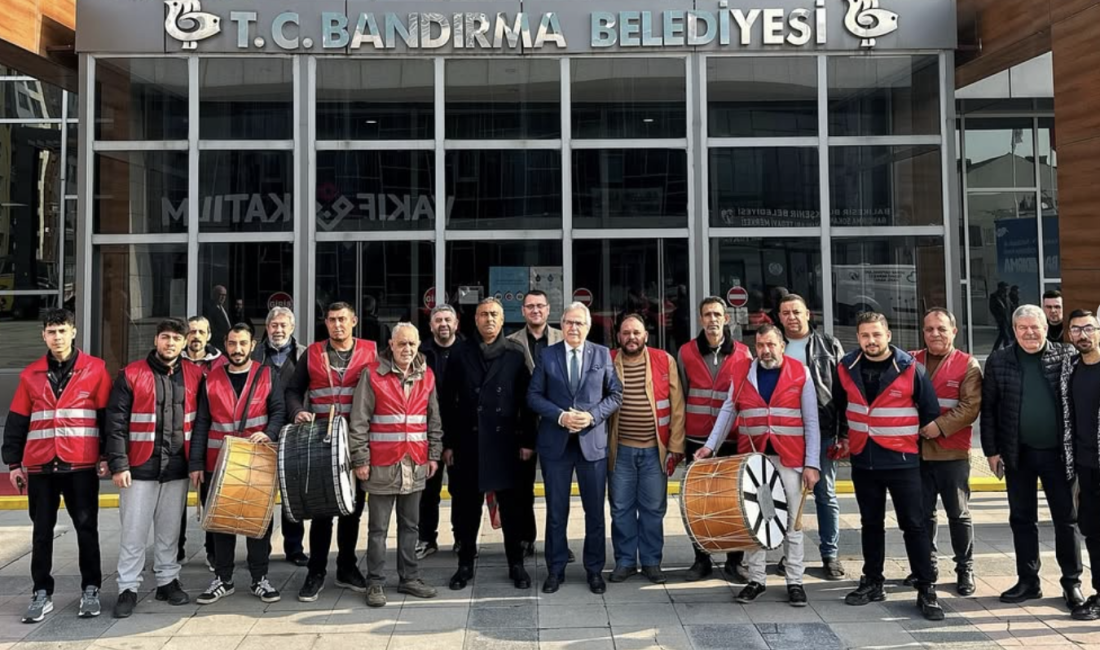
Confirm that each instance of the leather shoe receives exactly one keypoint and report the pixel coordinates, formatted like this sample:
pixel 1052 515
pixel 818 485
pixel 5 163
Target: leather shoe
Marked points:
pixel 596 584
pixel 622 573
pixel 965 586
pixel 461 577
pixel 298 559
pixel 699 570
pixel 1074 597
pixel 552 584
pixel 654 574
pixel 519 577
pixel 570 558
pixel 1022 591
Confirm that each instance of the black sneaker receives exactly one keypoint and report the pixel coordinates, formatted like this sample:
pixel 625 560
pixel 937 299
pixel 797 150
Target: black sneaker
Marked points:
pixel 796 596
pixel 424 549
pixel 312 587
pixel 750 593
pixel 215 592
pixel 353 580
pixel 929 605
pixel 867 592
pixel 263 590
pixel 173 593
pixel 125 604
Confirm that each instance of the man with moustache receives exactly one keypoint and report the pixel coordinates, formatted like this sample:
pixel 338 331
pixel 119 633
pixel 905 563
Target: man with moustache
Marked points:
pixel 280 351
pixel 327 376
pixel 150 414
pixel 239 399
pixel 1080 383
pixel 706 371
pixel 438 351
pixel 945 443
pixel 646 436
pixel 1026 444
pixel 887 399
pixel 820 353
pixel 488 433
pixel 775 398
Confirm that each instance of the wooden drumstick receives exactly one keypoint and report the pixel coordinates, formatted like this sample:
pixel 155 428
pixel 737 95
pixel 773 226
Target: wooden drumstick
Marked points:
pixel 801 507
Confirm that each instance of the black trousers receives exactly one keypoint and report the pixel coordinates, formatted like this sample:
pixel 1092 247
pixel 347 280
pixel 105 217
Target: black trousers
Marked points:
pixel 1023 513
pixel 225 555
pixel 692 445
pixel 525 502
pixel 949 481
pixel 429 508
pixel 347 536
pixel 208 543
pixel 466 506
pixel 904 487
pixel 1088 517
pixel 294 532
pixel 81 492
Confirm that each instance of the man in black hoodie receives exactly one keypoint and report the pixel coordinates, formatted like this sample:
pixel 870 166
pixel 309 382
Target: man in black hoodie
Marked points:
pixel 149 416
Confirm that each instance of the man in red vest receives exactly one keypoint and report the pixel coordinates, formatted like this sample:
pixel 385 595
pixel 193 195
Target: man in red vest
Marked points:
pixel 326 376
pixel 776 400
pixel 645 438
pixel 945 443
pixel 239 399
pixel 149 419
pixel 706 371
pixel 886 398
pixel 396 444
pixel 52 448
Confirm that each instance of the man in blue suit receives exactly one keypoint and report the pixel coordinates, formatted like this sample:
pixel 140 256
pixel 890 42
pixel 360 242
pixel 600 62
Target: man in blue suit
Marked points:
pixel 575 389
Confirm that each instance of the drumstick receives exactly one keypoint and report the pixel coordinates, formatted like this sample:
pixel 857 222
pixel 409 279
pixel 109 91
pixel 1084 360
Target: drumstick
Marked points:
pixel 801 506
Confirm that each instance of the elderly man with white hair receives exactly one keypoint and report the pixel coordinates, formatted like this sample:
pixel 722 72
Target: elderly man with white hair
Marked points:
pixel 1023 441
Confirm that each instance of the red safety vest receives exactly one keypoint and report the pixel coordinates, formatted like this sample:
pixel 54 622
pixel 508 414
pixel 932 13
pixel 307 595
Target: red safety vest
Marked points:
pixel 322 392
pixel 779 420
pixel 207 366
pixel 662 409
pixel 399 424
pixel 227 408
pixel 705 395
pixel 892 420
pixel 947 380
pixel 63 427
pixel 143 411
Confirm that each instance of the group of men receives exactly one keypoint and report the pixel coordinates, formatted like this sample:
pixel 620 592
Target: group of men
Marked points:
pixel 484 411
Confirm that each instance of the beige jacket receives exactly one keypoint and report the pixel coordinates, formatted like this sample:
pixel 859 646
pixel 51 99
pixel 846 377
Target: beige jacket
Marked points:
pixel 958 418
pixel 553 335
pixel 676 425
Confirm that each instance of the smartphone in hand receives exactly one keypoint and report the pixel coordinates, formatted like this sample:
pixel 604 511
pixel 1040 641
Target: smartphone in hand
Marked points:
pixel 1000 470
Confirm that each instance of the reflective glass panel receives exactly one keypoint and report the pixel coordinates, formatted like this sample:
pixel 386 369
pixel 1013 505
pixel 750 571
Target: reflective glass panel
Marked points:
pixel 21 329
pixel 628 98
pixel 761 97
pixel 375 190
pixel 773 187
pixel 886 186
pixel 634 188
pixel 252 274
pixel 245 191
pixel 504 189
pixel 884 95
pixel 375 100
pixel 246 99
pixel 29 99
pixel 72 158
pixel 30 206
pixel 140 192
pixel 503 99
pixel 999 153
pixel 141 99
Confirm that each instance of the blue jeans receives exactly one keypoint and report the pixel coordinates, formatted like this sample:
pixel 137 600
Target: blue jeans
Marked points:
pixel 639 500
pixel 828 508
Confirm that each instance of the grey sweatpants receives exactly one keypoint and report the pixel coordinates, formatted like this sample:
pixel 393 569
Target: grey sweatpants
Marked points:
pixel 145 504
pixel 379 509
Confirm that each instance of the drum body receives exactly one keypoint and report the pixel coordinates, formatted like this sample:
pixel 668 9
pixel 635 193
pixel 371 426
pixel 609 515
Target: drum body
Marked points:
pixel 734 504
pixel 242 489
pixel 315 475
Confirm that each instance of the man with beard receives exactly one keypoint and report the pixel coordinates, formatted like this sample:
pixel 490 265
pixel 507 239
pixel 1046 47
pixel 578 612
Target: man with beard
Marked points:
pixel 886 398
pixel 706 372
pixel 149 418
pixel 646 436
pixel 327 375
pixel 239 399
pixel 444 344
pixel 280 351
pixel 1081 401
pixel 488 433
pixel 775 398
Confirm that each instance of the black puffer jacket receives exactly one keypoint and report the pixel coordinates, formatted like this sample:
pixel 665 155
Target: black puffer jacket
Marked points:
pixel 1001 398
pixel 168 462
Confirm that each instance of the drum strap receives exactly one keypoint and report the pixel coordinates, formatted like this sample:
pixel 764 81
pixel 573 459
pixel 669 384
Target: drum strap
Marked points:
pixel 254 378
pixel 332 407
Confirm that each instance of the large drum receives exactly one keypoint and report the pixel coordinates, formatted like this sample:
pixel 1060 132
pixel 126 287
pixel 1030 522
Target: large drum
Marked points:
pixel 315 476
pixel 242 490
pixel 734 504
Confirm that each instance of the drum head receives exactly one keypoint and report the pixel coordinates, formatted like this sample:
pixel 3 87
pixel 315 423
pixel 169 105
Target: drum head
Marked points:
pixel 764 501
pixel 342 472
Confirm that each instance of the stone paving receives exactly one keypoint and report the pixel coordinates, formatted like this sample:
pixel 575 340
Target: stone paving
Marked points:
pixel 492 615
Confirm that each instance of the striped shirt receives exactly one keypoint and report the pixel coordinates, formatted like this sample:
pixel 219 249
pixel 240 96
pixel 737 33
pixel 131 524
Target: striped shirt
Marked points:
pixel 637 428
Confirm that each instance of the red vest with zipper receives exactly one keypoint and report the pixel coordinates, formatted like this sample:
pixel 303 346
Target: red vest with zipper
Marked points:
pixel 892 420
pixel 63 427
pixel 399 424
pixel 779 420
pixel 143 411
pixel 662 411
pixel 947 380
pixel 704 394
pixel 227 408
pixel 322 393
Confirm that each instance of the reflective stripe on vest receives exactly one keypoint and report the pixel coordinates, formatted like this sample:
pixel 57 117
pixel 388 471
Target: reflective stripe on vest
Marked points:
pixel 892 420
pixel 336 389
pixel 399 424
pixel 143 419
pixel 778 422
pixel 659 365
pixel 947 382
pixel 705 395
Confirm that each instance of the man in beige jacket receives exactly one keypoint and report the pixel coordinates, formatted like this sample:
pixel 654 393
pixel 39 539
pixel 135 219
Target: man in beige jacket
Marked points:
pixel 646 437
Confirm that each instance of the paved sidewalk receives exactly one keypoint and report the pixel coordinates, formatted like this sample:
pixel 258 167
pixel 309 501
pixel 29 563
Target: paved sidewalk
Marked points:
pixel 492 615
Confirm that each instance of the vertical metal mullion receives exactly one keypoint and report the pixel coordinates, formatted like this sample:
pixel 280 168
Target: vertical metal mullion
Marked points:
pixel 566 182
pixel 62 203
pixel 302 255
pixel 1038 207
pixel 193 270
pixel 82 280
pixel 965 216
pixel 947 147
pixel 823 191
pixel 698 260
pixel 439 105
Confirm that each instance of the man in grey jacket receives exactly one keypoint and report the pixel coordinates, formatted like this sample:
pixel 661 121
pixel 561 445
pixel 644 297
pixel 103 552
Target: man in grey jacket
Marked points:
pixel 396 442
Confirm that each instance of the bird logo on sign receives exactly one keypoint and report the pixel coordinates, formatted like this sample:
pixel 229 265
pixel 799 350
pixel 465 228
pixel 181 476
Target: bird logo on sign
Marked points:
pixel 867 21
pixel 188 23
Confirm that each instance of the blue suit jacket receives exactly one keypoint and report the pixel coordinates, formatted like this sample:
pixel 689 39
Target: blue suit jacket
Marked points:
pixel 600 393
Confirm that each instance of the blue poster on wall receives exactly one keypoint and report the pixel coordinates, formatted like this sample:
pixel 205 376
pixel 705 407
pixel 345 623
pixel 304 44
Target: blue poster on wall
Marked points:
pixel 1018 256
pixel 509 284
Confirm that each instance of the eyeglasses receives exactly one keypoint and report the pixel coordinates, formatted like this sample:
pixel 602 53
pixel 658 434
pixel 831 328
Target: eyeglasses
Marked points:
pixel 538 307
pixel 1087 330
pixel 574 323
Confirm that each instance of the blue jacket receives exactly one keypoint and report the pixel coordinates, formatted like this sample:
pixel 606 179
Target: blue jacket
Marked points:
pixel 600 393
